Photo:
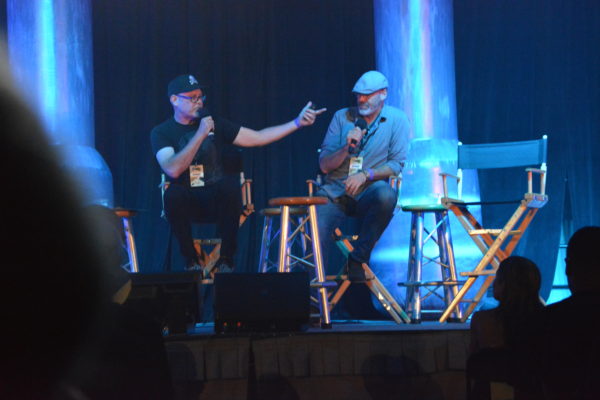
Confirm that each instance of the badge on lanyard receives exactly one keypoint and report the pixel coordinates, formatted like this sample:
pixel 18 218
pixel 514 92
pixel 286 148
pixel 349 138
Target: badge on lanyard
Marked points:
pixel 355 165
pixel 196 175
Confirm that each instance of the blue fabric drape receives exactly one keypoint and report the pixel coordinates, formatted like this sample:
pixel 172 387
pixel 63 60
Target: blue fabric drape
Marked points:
pixel 524 69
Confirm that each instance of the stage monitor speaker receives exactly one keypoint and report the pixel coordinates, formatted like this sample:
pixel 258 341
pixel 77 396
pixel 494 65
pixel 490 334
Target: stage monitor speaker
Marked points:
pixel 270 302
pixel 172 299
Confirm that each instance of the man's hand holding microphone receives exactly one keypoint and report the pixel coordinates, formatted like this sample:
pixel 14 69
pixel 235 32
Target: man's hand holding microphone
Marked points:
pixel 355 181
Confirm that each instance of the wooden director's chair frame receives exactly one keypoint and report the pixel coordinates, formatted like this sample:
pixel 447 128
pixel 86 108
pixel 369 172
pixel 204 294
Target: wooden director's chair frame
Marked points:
pixel 388 302
pixel 495 244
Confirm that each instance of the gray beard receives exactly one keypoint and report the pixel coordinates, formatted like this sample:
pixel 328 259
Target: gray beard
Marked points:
pixel 366 111
pixel 371 107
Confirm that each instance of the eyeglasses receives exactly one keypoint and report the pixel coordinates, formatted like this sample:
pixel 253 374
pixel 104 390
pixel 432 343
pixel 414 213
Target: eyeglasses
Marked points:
pixel 193 99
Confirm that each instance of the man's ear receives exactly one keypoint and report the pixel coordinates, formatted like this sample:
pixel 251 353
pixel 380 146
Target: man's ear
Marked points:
pixel 173 99
pixel 384 94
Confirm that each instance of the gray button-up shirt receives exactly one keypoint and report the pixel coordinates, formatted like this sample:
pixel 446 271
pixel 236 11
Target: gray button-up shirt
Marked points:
pixel 385 143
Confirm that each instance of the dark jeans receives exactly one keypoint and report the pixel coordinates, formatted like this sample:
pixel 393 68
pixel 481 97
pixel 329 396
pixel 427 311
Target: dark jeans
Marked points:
pixel 219 203
pixel 374 208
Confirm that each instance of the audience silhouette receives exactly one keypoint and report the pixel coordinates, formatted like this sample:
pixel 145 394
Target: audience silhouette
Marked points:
pixel 65 336
pixel 551 353
pixel 53 275
pixel 516 288
pixel 564 341
pixel 497 332
pixel 125 356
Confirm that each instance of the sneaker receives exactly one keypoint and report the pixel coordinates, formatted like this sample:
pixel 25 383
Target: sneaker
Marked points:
pixel 223 266
pixel 225 269
pixel 355 270
pixel 194 267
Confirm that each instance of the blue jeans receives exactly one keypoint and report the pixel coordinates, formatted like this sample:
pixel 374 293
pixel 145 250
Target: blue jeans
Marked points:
pixel 374 209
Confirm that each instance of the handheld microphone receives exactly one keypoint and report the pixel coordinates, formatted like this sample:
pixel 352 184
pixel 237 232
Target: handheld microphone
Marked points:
pixel 204 112
pixel 362 124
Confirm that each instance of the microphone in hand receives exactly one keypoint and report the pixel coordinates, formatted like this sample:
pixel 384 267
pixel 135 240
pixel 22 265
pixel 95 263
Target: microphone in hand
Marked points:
pixel 203 113
pixel 362 125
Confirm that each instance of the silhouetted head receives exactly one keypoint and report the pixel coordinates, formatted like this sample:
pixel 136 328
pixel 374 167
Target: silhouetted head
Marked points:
pixel 517 284
pixel 53 273
pixel 583 261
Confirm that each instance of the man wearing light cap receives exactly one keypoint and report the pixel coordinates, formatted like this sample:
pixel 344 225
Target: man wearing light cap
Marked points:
pixel 364 146
pixel 189 149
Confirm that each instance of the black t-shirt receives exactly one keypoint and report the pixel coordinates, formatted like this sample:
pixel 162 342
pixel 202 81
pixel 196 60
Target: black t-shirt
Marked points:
pixel 210 154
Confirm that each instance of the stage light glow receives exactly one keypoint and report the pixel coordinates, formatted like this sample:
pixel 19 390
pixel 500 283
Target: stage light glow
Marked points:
pixel 47 67
pixel 50 53
pixel 415 50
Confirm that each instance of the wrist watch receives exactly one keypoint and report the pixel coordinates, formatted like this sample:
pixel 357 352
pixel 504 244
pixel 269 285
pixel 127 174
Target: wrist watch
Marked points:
pixel 367 176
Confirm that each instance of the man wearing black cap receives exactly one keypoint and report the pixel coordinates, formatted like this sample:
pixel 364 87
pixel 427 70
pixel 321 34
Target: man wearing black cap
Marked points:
pixel 364 146
pixel 189 149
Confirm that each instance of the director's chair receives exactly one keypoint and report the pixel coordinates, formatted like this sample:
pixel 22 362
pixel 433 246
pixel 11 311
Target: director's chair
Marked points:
pixel 495 244
pixel 208 249
pixel 382 295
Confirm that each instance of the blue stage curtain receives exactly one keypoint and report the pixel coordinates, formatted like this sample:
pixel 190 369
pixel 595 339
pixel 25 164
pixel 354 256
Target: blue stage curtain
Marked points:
pixel 524 69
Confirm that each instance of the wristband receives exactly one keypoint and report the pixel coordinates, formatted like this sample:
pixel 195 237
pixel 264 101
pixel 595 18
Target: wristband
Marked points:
pixel 369 174
pixel 297 122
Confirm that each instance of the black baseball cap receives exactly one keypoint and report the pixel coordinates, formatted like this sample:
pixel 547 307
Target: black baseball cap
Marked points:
pixel 182 84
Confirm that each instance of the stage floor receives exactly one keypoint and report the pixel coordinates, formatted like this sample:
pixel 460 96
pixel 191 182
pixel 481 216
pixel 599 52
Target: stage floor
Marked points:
pixel 354 325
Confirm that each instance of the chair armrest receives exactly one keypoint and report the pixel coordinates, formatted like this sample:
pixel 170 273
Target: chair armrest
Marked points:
pixel 395 182
pixel 312 185
pixel 458 178
pixel 443 174
pixel 247 193
pixel 542 173
pixel 536 170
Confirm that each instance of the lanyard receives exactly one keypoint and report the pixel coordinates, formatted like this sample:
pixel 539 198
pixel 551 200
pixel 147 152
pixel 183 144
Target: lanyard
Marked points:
pixel 371 129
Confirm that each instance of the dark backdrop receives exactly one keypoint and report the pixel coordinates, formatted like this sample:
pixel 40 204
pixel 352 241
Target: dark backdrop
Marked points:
pixel 528 68
pixel 523 69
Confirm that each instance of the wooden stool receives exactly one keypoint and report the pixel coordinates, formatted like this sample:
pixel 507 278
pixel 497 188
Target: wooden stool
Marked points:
pixel 126 215
pixel 268 236
pixel 445 259
pixel 285 203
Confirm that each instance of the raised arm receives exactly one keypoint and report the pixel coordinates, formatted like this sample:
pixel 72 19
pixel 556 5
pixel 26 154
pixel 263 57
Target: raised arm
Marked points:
pixel 247 137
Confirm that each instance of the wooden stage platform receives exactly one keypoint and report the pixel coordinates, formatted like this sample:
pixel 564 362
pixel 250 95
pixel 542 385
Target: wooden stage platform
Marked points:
pixel 353 360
